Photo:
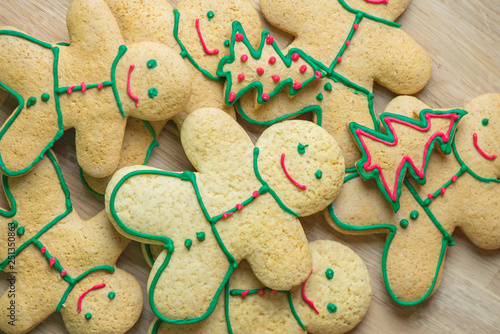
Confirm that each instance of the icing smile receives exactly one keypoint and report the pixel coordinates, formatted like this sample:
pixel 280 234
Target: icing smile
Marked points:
pixel 298 185
pixel 207 51
pixel 309 302
pixel 486 156
pixel 377 1
pixel 129 92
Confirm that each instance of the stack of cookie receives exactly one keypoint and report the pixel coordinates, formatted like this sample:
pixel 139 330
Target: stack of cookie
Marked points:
pixel 225 239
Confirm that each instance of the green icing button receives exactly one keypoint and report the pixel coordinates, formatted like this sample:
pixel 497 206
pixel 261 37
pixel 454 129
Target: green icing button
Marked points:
pixel 331 308
pixel 319 97
pixel 152 64
pixel 485 122
pixel 152 92
pixel 318 174
pixel 188 243
pixel 31 101
pixel 414 214
pixel 404 223
pixel 88 316
pixel 210 15
pixel 200 236
pixel 226 43
pixel 328 87
pixel 111 295
pixel 45 97
pixel 329 273
pixel 21 230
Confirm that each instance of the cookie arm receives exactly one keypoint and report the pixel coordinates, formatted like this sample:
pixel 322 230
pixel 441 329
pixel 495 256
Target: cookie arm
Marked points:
pixel 92 24
pixel 402 64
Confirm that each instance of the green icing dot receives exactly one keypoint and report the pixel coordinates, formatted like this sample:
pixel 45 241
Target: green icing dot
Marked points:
pixel 200 236
pixel 301 148
pixel 414 214
pixel 188 243
pixel 318 174
pixel 404 223
pixel 21 230
pixel 210 15
pixel 485 122
pixel 111 295
pixel 152 64
pixel 152 92
pixel 328 87
pixel 88 316
pixel 331 308
pixel 329 273
pixel 31 101
pixel 319 97
pixel 45 97
pixel 226 43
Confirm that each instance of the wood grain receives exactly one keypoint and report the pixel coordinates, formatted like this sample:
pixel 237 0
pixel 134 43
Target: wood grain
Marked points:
pixel 463 40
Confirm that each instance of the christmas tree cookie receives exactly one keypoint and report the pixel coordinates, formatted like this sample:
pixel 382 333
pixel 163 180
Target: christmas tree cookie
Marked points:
pixel 442 192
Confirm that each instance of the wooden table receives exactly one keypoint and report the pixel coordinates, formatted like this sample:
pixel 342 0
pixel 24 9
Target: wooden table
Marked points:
pixel 463 40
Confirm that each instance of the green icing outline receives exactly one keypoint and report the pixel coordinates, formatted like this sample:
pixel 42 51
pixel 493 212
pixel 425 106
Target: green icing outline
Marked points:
pixel 389 136
pixel 168 243
pixel 34 239
pixel 57 92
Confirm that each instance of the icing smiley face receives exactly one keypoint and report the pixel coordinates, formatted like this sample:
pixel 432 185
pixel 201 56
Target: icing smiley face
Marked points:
pixel 304 168
pixel 477 137
pixel 147 78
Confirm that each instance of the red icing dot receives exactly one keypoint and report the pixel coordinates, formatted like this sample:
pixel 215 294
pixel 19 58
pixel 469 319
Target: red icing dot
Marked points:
pixel 84 87
pixel 232 96
pixel 238 37
pixel 260 71
pixel 63 273
pixel 241 77
pixel 356 26
pixel 317 74
pixel 443 190
pixel 348 43
pixel 339 59
pixel 276 78
pixel 100 86
pixel 239 206
pixel 303 68
pixel 226 214
pixel 265 97
pixel 272 60
pixel 431 197
pixel 454 178
pixel 44 249
pixel 245 293
pixel 261 292
pixel 295 57
pixel 244 58
pixel 255 193
pixel 297 85
pixel 269 39
pixel 274 291
pixel 52 261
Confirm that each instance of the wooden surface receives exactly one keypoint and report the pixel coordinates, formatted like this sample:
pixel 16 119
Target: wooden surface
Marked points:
pixel 463 40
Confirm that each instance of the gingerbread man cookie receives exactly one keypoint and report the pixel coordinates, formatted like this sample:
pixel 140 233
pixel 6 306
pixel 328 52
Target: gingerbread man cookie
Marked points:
pixel 461 190
pixel 341 48
pixel 333 299
pixel 55 261
pixel 91 85
pixel 197 24
pixel 242 204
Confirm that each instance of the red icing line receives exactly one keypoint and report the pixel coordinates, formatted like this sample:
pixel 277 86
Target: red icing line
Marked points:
pixel 79 309
pixel 377 1
pixel 304 295
pixel 420 172
pixel 207 51
pixel 298 185
pixel 486 156
pixel 70 89
pixel 84 87
pixel 129 92
pixel 227 214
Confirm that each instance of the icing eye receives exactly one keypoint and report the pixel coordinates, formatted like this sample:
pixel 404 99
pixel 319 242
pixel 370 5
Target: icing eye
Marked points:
pixel 318 174
pixel 210 15
pixel 152 93
pixel 485 122
pixel 152 64
pixel 301 148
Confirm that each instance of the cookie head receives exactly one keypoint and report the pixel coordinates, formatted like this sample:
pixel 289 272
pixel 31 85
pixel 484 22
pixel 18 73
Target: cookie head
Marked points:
pixel 153 82
pixel 477 136
pixel 336 296
pixel 302 163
